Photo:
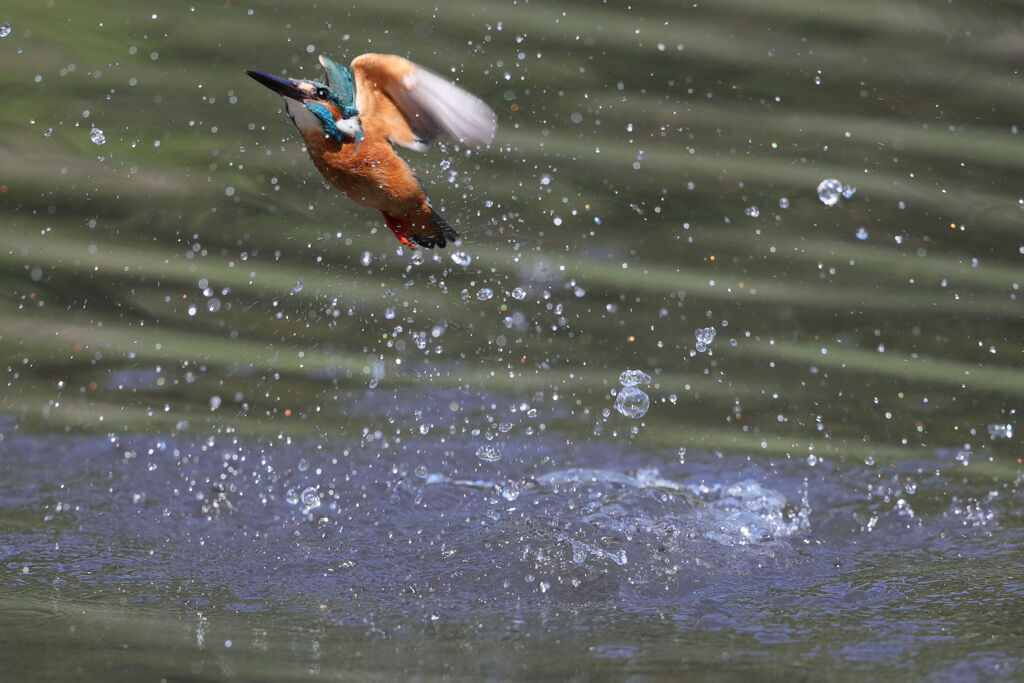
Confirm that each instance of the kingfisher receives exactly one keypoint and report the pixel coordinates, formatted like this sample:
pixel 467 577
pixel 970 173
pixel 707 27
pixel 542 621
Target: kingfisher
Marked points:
pixel 351 119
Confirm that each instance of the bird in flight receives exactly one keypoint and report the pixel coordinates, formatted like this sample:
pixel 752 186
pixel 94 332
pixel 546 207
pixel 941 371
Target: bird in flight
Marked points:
pixel 351 119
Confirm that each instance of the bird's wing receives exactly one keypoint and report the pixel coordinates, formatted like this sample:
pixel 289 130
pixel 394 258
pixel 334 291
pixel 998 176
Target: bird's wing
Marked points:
pixel 416 105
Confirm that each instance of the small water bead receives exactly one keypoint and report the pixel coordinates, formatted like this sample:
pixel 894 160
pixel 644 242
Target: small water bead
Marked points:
pixel 303 465
pixel 753 211
pixel 97 136
pixel 461 258
pixel 783 202
pixel 632 378
pixel 518 293
pixel 682 455
pixel 48 132
pixel 310 498
pixel 214 402
pixel 488 453
pixel 862 233
pixel 632 402
pixel 830 190
pixel 297 287
pixel 5 29
pixel 420 472
pixel 484 293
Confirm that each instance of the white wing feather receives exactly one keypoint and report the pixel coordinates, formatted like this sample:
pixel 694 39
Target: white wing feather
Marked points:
pixel 433 105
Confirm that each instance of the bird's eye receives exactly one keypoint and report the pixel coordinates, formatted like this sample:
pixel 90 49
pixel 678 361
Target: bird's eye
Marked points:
pixel 321 93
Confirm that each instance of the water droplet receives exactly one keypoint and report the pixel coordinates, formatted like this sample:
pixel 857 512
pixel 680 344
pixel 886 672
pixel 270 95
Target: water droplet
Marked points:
pixel 631 378
pixel 783 202
pixel 632 402
pixel 310 498
pixel 461 258
pixel 298 286
pixel 214 402
pixel 510 491
pixel 303 465
pixel 518 293
pixel 97 136
pixel 484 293
pixel 5 29
pixel 488 453
pixel 682 455
pixel 830 190
pixel 753 211
pixel 48 132
pixel 862 233
pixel 420 472
pixel 366 258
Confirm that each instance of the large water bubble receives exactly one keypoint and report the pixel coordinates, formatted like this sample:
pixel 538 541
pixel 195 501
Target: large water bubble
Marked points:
pixel 632 402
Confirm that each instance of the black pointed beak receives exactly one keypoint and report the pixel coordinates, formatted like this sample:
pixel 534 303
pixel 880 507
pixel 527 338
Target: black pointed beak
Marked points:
pixel 282 86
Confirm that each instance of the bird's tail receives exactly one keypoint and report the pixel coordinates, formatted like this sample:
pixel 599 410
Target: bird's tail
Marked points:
pixel 425 228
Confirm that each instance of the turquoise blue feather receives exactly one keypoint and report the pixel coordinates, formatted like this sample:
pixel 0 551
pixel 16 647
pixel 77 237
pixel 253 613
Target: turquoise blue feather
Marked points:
pixel 340 79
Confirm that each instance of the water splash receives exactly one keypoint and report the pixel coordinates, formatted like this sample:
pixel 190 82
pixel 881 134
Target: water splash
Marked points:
pixel 488 453
pixel 632 378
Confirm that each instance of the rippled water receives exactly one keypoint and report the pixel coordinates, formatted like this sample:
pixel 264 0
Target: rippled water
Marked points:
pixel 723 379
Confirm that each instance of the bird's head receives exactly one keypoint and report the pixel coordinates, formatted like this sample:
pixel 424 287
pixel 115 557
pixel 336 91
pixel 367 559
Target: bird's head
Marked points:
pixel 326 106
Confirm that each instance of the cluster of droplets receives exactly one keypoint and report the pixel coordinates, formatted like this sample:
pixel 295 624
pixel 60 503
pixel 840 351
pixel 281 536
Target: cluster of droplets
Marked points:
pixel 705 335
pixel 631 400
pixel 1000 431
pixel 488 453
pixel 831 190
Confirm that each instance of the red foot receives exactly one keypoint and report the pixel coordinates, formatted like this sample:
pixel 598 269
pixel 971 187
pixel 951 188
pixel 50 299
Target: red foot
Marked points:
pixel 401 230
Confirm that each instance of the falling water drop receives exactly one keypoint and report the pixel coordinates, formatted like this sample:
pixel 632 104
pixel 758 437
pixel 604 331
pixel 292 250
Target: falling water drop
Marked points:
pixel 632 402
